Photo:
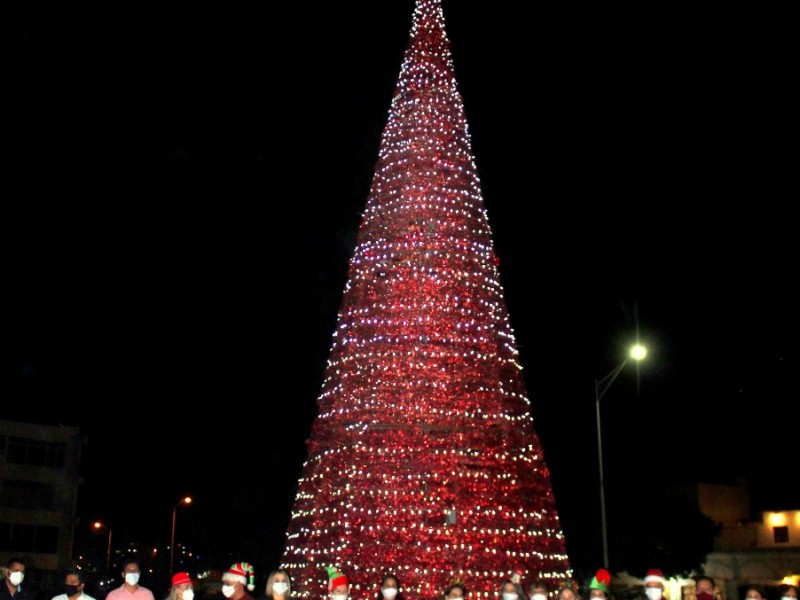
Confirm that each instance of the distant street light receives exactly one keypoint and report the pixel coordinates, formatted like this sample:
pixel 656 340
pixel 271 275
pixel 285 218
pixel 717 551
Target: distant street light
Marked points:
pixel 99 525
pixel 186 500
pixel 637 353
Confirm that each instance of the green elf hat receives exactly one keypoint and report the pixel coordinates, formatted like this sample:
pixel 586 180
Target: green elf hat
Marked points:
pixel 335 578
pixel 601 581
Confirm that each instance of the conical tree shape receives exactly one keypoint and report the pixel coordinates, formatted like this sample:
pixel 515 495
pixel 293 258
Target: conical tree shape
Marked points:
pixel 423 460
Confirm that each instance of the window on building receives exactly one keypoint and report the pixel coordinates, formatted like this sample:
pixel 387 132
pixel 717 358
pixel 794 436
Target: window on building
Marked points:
pixel 780 535
pixel 27 494
pixel 22 537
pixel 28 538
pixel 46 540
pixel 5 536
pixel 24 451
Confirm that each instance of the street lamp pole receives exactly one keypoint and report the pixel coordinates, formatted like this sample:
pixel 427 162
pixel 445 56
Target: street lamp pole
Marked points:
pixel 186 500
pixel 108 551
pixel 99 525
pixel 637 353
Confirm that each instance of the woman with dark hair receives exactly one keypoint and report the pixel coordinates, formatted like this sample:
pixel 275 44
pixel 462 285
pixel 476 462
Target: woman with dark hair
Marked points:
pixel 455 591
pixel 539 590
pixel 390 588
pixel 787 592
pixel 755 592
pixel 705 588
pixel 511 591
pixel 568 589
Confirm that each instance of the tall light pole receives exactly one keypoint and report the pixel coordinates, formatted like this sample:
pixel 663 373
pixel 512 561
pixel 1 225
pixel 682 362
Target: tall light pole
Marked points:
pixel 637 353
pixel 185 500
pixel 99 525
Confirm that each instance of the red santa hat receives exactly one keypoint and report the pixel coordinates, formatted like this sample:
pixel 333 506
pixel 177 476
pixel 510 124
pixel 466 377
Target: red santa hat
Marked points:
pixel 335 578
pixel 181 578
pixel 241 572
pixel 655 575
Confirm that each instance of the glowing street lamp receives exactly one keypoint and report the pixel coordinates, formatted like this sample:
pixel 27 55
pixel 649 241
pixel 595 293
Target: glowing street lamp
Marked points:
pixel 185 500
pixel 99 525
pixel 637 353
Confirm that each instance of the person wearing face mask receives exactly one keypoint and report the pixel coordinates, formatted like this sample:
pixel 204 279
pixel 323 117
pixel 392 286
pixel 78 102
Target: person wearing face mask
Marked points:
pixel 755 592
pixel 598 588
pixel 73 587
pixel 787 592
pixel 511 591
pixel 654 584
pixel 182 587
pixel 705 588
pixel 338 584
pixel 390 588
pixel 568 590
pixel 455 591
pixel 539 590
pixel 235 579
pixel 279 586
pixel 11 587
pixel 130 589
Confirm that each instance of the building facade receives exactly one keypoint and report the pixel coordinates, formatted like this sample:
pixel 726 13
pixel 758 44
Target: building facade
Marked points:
pixel 761 549
pixel 39 481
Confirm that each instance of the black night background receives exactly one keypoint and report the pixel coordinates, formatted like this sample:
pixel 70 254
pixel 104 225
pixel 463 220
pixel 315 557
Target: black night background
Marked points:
pixel 182 187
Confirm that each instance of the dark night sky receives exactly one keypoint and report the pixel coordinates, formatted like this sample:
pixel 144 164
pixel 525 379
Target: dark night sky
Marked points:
pixel 182 187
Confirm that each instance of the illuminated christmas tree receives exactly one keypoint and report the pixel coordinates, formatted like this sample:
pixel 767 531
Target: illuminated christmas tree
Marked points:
pixel 423 459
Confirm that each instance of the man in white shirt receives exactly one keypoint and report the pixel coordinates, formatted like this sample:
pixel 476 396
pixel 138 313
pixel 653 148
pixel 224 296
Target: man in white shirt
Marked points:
pixel 73 588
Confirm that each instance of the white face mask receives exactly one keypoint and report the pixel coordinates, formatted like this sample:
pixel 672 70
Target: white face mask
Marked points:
pixel 389 592
pixel 227 590
pixel 280 587
pixel 188 595
pixel 339 596
pixel 510 596
pixel 538 597
pixel 16 577
pixel 131 578
pixel 653 593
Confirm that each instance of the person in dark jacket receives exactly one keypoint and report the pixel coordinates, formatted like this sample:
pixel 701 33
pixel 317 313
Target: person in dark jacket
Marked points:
pixel 14 574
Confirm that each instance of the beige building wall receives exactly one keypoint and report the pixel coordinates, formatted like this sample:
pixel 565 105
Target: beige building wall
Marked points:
pixel 761 549
pixel 39 481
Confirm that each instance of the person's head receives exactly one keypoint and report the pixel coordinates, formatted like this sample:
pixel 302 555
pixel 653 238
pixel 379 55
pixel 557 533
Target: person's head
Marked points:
pixel 600 584
pixel 236 578
pixel 131 571
pixel 704 588
pixel 755 592
pixel 568 590
pixel 279 584
pixel 511 591
pixel 390 586
pixel 15 571
pixel 538 590
pixel 338 584
pixel 788 592
pixel 455 591
pixel 182 588
pixel 73 582
pixel 654 584
pixel 567 594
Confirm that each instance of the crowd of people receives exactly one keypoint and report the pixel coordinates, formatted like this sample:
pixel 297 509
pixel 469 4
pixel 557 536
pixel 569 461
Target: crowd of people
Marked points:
pixel 239 580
